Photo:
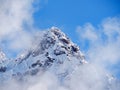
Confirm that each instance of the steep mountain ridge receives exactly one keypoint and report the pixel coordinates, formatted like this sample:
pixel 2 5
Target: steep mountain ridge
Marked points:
pixel 51 48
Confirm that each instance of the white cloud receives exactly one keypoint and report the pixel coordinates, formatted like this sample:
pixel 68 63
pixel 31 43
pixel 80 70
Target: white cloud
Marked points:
pixel 111 27
pixel 87 32
pixel 16 20
pixel 88 77
pixel 104 47
pixel 13 14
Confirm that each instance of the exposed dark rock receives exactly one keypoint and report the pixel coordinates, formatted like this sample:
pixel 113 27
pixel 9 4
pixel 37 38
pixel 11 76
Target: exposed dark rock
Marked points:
pixel 47 54
pixel 74 49
pixel 64 47
pixel 65 41
pixel 49 41
pixel 3 69
pixel 36 64
pixel 56 32
pixel 51 59
pixel 47 63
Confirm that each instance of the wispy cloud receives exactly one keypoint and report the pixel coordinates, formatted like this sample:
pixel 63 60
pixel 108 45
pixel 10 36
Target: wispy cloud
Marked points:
pixel 16 20
pixel 14 14
pixel 103 42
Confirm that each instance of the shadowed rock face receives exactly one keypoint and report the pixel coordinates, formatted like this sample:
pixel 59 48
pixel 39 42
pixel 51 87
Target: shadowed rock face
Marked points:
pixel 2 69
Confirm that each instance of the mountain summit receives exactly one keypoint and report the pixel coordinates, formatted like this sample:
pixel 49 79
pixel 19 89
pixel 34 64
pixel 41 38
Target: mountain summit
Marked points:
pixel 51 48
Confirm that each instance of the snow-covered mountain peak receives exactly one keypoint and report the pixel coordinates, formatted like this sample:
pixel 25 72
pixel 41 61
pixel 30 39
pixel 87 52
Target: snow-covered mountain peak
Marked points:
pixel 50 49
pixel 56 40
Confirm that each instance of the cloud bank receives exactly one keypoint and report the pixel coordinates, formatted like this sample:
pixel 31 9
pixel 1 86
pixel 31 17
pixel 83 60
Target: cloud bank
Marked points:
pixel 16 22
pixel 14 14
pixel 103 43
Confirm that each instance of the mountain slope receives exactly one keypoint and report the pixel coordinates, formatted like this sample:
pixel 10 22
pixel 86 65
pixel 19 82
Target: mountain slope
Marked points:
pixel 2 56
pixel 53 51
pixel 51 48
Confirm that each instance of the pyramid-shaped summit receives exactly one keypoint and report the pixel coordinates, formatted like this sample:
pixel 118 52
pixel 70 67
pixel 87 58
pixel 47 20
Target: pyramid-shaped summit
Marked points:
pixel 50 50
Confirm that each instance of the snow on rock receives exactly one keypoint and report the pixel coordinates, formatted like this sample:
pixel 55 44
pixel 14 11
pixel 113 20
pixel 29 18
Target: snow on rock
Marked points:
pixel 2 56
pixel 51 50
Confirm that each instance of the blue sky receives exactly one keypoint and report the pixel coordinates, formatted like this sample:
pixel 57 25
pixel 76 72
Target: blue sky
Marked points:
pixel 67 14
